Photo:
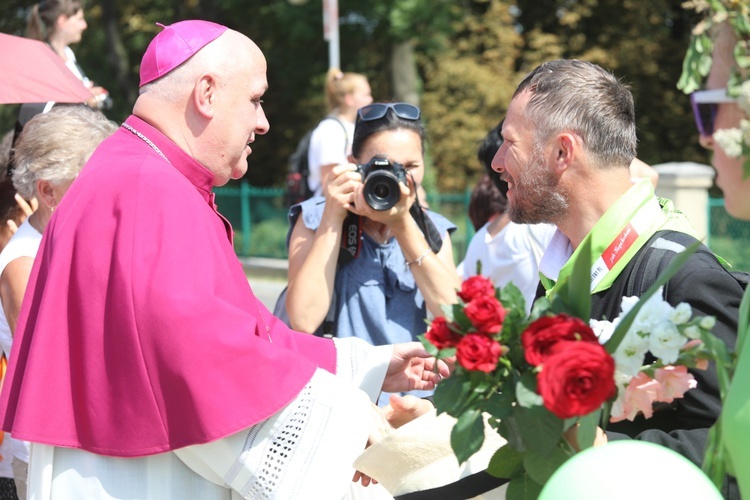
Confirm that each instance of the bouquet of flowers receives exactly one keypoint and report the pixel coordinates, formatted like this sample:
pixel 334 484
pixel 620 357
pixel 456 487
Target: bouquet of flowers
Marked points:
pixel 547 381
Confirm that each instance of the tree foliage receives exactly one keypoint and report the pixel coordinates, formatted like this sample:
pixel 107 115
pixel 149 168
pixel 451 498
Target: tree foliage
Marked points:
pixel 468 57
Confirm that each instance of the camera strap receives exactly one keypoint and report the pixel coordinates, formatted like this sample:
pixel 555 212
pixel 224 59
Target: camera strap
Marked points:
pixel 351 238
pixel 430 232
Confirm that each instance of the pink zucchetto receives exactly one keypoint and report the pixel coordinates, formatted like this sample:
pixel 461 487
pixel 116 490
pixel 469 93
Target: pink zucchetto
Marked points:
pixel 176 44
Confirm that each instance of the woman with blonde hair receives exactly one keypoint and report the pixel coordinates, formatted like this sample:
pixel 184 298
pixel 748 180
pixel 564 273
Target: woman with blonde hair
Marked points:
pixel 331 141
pixel 48 156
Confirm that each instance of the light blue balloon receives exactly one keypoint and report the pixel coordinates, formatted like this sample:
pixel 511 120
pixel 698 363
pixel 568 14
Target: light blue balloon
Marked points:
pixel 628 470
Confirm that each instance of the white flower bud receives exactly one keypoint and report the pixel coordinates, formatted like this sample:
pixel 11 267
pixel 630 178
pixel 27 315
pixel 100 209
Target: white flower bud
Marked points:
pixel 680 314
pixel 707 322
pixel 692 332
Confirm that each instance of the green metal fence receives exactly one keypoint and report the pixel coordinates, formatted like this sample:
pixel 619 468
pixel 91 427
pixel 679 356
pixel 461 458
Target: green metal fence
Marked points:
pixel 259 218
pixel 728 236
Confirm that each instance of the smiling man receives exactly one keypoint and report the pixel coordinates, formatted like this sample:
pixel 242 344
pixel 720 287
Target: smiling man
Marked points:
pixel 570 136
pixel 144 366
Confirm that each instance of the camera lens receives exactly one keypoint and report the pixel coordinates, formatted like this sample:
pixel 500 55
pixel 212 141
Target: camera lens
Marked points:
pixel 381 190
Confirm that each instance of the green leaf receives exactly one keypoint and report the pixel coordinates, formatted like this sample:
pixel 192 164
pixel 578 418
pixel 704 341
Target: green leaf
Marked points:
pixel 622 328
pixel 512 298
pixel 523 488
pixel 743 322
pixel 447 311
pixel 575 291
pixel 714 464
pixel 509 429
pixel 587 429
pixel 506 462
pixel 467 435
pixel 459 316
pixel 541 430
pixel 606 412
pixel 526 394
pixel 540 308
pixel 428 346
pixel 541 466
pixel 450 396
pixel 499 405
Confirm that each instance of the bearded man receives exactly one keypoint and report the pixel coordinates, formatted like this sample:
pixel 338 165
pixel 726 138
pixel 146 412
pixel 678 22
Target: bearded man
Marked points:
pixel 569 137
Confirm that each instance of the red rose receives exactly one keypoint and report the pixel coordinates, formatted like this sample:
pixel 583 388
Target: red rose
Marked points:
pixel 479 352
pixel 576 378
pixel 545 332
pixel 485 313
pixel 440 335
pixel 476 286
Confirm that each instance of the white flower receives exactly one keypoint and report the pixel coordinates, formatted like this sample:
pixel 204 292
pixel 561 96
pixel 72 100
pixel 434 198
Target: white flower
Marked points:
pixel 630 353
pixel 603 329
pixel 730 140
pixel 653 312
pixel 666 341
pixel 680 314
pixel 707 322
pixel 627 304
pixel 692 332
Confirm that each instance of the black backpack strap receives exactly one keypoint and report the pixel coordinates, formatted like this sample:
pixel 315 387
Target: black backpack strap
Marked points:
pixel 653 259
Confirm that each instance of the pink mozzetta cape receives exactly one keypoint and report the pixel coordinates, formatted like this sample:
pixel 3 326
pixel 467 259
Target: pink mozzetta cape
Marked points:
pixel 139 333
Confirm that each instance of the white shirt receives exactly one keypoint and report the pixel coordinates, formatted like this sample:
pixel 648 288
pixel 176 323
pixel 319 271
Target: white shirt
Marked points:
pixel 330 143
pixel 304 451
pixel 512 255
pixel 25 243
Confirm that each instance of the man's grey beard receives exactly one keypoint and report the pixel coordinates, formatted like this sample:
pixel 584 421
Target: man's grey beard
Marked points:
pixel 543 199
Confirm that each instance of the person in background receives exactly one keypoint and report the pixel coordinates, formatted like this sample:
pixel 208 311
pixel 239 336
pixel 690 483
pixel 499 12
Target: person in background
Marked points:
pixel 485 203
pixel 718 114
pixel 385 293
pixel 48 155
pixel 60 23
pixel 143 366
pixel 331 141
pixel 13 208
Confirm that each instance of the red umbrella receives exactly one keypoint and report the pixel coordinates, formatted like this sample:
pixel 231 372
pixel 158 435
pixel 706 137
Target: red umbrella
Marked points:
pixel 30 71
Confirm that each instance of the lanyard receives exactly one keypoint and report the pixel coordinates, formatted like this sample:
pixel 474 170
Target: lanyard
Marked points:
pixel 639 225
pixel 617 236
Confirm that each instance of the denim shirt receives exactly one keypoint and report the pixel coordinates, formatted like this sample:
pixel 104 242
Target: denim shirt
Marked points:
pixel 376 296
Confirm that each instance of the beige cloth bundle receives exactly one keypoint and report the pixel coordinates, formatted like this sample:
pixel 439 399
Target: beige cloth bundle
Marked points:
pixel 418 456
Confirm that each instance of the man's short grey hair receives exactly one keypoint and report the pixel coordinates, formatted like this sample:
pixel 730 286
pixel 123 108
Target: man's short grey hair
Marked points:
pixel 580 97
pixel 55 146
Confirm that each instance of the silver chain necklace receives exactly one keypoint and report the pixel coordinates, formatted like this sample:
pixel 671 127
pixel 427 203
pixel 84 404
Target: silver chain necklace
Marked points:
pixel 158 151
pixel 147 141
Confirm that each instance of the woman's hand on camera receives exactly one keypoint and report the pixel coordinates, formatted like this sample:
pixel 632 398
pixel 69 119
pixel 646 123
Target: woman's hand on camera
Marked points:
pixel 340 189
pixel 398 214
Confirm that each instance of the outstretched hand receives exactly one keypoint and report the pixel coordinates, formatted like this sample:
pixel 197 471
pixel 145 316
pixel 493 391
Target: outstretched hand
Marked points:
pixel 412 368
pixel 404 409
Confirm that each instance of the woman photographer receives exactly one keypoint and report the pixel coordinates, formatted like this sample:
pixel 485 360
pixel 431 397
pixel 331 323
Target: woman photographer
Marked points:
pixel 384 293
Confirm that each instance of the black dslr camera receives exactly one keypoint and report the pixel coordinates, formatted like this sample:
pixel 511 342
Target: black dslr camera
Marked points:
pixel 381 178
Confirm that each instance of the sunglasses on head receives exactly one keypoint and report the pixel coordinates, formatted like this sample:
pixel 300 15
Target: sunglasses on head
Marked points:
pixel 380 109
pixel 705 104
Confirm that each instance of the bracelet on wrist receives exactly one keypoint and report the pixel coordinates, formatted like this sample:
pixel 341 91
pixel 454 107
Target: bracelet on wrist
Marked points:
pixel 418 260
